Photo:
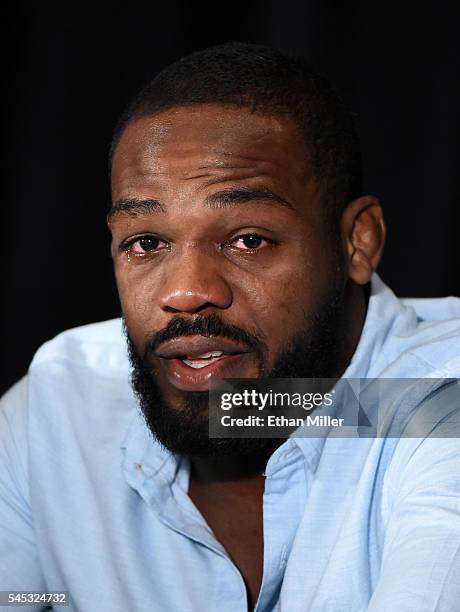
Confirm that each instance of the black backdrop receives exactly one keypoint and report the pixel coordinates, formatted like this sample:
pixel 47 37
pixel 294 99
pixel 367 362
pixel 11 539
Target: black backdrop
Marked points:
pixel 71 70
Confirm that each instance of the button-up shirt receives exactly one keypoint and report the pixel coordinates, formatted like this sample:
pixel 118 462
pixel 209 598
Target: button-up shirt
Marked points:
pixel 91 504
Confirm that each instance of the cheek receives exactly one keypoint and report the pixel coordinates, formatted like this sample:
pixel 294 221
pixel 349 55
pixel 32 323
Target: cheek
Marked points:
pixel 279 301
pixel 137 293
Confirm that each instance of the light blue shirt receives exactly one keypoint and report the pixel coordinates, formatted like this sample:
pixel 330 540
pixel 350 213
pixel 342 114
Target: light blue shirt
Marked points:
pixel 89 503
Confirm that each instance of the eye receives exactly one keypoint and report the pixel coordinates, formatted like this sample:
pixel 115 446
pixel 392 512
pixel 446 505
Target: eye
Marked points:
pixel 249 242
pixel 143 245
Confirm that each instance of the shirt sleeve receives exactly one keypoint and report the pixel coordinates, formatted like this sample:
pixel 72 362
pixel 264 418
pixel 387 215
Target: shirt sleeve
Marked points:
pixel 420 567
pixel 19 563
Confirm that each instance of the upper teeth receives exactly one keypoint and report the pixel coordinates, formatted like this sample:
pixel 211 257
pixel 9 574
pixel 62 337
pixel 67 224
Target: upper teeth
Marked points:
pixel 200 364
pixel 210 354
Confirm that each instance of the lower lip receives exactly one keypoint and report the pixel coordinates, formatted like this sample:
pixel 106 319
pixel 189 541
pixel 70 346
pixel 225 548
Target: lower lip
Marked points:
pixel 186 378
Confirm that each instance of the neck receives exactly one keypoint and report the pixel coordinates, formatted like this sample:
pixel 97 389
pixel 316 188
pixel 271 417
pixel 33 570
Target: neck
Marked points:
pixel 208 470
pixel 356 301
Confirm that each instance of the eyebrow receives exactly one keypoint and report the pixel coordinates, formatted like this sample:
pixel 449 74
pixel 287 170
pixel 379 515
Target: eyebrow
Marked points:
pixel 243 195
pixel 233 196
pixel 134 207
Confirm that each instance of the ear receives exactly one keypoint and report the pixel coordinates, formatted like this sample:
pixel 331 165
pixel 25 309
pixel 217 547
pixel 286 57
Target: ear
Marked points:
pixel 363 231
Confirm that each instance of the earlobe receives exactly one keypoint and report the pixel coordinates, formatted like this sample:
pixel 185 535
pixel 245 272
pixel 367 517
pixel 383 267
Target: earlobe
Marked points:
pixel 364 231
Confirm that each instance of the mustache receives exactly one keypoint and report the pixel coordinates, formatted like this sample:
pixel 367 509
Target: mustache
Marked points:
pixel 204 325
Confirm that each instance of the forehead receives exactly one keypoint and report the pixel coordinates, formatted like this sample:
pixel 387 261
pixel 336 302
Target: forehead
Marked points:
pixel 183 142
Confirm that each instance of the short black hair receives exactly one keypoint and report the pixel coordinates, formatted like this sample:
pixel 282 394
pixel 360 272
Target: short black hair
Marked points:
pixel 268 82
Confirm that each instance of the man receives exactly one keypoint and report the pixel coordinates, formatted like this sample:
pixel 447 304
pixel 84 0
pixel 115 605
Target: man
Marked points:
pixel 243 247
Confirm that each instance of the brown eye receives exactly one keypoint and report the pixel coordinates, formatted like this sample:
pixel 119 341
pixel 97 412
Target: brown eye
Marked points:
pixel 143 245
pixel 148 243
pixel 249 242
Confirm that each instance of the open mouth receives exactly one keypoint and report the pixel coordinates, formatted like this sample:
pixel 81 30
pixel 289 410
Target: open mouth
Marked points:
pixel 201 361
pixel 190 361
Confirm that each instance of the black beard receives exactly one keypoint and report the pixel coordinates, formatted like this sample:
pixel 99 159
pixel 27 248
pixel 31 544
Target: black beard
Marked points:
pixel 318 351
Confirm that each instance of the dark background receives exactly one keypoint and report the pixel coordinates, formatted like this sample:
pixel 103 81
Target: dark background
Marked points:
pixel 71 70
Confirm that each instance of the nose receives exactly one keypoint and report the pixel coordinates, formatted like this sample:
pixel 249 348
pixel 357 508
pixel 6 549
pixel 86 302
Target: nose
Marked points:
pixel 193 284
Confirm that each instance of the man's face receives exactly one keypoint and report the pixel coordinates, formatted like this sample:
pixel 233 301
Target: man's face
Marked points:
pixel 224 261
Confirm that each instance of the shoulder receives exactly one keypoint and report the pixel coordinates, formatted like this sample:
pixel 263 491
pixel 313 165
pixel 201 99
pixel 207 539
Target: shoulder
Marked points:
pixel 436 338
pixel 97 346
pixel 434 352
pixel 413 337
pixel 77 386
